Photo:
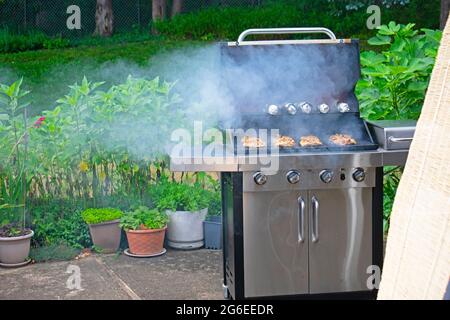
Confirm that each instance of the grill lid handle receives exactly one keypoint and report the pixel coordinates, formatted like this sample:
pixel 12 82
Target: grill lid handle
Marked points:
pixel 321 30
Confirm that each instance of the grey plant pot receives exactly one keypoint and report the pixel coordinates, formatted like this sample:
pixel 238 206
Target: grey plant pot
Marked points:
pixel 106 236
pixel 213 232
pixel 15 250
pixel 185 229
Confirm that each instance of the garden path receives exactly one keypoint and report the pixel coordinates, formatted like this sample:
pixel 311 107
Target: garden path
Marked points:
pixel 176 275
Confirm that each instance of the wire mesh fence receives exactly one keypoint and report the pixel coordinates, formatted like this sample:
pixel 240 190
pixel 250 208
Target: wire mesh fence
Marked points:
pixel 51 16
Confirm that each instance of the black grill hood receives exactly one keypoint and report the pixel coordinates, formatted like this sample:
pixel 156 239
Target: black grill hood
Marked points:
pixel 314 72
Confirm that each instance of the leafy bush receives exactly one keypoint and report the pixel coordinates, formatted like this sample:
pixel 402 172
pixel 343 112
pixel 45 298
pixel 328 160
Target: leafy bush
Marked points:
pixel 10 42
pixel 143 217
pixel 59 222
pixel 94 216
pixel 394 80
pixel 176 196
pixel 226 23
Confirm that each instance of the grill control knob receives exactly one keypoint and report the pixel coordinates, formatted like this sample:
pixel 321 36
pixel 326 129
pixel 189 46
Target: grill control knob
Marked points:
pixel 273 110
pixel 359 175
pixel 343 107
pixel 324 108
pixel 290 108
pixel 305 107
pixel 260 178
pixel 326 176
pixel 293 177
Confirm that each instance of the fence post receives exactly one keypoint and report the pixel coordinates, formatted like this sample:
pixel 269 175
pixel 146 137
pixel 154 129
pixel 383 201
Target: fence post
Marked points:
pixel 139 13
pixel 25 14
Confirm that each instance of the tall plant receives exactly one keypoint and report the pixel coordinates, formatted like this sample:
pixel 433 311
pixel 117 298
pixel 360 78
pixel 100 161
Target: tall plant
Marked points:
pixel 394 83
pixel 14 142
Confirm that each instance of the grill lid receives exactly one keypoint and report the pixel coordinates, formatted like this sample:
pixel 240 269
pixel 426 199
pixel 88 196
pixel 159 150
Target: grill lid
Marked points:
pixel 300 87
pixel 258 74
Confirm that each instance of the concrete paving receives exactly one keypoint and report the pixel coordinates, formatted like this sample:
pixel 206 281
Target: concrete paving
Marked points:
pixel 175 275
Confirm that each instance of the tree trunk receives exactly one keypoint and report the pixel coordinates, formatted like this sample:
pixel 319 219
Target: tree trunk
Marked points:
pixel 177 7
pixel 159 9
pixel 104 18
pixel 445 8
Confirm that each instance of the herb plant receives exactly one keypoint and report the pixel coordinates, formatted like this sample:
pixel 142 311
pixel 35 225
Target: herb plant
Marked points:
pixel 144 218
pixel 176 196
pixel 94 216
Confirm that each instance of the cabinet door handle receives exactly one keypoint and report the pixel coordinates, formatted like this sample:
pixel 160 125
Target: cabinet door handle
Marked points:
pixel 301 219
pixel 315 219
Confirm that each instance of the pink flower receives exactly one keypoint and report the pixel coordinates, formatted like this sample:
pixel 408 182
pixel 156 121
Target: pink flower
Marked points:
pixel 38 122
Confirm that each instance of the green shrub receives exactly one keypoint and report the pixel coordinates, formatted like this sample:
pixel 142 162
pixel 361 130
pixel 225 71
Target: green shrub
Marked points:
pixel 143 216
pixel 11 42
pixel 394 82
pixel 59 222
pixel 94 216
pixel 176 196
pixel 226 23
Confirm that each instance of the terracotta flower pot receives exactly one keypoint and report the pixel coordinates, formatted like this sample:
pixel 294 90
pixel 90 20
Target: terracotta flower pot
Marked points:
pixel 106 236
pixel 147 241
pixel 15 250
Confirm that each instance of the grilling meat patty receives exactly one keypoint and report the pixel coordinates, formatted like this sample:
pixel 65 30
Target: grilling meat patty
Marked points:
pixel 342 139
pixel 284 142
pixel 252 142
pixel 310 141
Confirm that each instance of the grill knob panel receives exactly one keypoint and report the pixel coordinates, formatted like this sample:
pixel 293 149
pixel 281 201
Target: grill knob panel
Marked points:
pixel 326 176
pixel 359 175
pixel 260 178
pixel 293 177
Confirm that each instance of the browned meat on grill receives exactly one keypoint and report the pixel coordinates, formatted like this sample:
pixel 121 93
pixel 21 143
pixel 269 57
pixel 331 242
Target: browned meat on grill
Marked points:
pixel 342 139
pixel 284 142
pixel 252 142
pixel 310 141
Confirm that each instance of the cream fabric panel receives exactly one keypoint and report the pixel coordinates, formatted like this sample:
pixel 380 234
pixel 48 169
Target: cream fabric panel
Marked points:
pixel 417 261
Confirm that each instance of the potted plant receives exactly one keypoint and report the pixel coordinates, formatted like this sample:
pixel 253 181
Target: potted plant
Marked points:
pixel 186 206
pixel 213 224
pixel 104 228
pixel 15 241
pixel 15 237
pixel 145 229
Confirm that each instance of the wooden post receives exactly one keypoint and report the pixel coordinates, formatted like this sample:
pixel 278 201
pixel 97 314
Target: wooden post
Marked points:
pixel 104 19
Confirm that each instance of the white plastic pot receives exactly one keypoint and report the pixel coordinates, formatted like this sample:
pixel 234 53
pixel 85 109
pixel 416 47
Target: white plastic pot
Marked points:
pixel 185 229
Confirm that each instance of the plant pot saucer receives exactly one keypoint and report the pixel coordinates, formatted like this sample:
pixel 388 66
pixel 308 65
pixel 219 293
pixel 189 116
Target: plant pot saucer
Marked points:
pixel 15 265
pixel 128 253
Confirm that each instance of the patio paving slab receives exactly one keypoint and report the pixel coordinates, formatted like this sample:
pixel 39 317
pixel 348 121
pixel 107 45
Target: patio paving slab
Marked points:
pixel 175 275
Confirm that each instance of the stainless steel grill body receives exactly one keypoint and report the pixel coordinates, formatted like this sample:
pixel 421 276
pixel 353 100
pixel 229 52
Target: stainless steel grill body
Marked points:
pixel 313 224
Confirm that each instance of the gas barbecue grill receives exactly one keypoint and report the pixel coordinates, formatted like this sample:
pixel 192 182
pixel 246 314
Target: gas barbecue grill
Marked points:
pixel 312 225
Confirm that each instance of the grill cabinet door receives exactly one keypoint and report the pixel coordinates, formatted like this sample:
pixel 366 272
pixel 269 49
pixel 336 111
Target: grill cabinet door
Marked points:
pixel 275 258
pixel 340 247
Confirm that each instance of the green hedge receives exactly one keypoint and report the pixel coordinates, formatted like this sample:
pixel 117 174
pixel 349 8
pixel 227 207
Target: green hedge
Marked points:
pixel 10 42
pixel 226 23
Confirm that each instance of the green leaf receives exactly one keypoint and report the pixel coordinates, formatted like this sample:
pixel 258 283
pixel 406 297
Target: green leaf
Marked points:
pixel 380 40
